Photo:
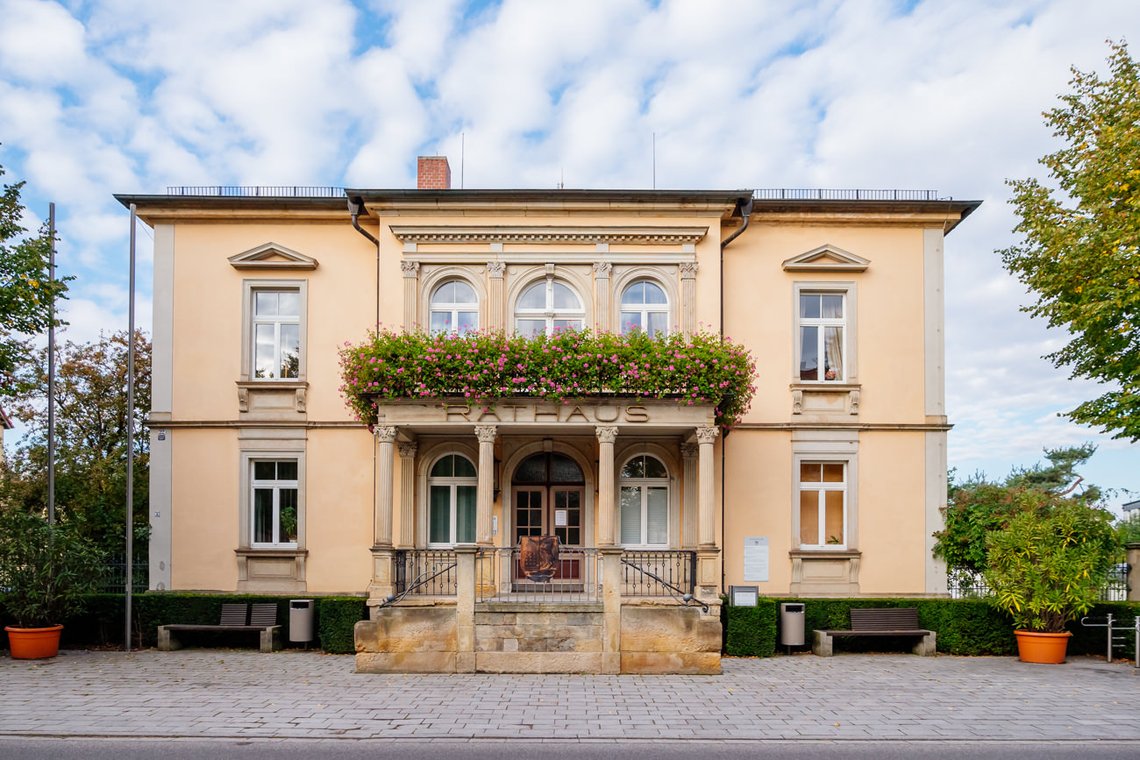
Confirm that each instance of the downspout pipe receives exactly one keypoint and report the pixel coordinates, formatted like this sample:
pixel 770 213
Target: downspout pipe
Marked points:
pixel 744 205
pixel 355 209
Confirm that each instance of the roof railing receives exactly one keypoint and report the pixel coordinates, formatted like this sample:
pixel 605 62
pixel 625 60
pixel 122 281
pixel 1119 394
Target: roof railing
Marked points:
pixel 825 194
pixel 257 191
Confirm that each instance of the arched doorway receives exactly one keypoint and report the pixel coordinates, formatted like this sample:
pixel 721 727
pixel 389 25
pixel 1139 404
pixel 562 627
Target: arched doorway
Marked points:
pixel 549 493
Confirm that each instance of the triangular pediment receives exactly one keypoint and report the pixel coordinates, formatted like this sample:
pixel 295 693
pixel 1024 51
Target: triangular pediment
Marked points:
pixel 272 256
pixel 826 258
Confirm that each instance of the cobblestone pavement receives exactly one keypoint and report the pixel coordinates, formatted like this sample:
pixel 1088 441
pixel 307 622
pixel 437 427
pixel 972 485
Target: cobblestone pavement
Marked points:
pixel 225 693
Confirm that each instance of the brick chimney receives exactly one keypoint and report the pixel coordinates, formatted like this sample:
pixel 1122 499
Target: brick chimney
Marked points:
pixel 433 173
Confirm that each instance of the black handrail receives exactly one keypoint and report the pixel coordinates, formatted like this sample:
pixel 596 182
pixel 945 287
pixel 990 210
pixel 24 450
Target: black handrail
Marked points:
pixel 685 597
pixel 418 581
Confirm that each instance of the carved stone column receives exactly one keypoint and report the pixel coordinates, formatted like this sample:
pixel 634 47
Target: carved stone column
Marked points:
pixel 689 494
pixel 411 270
pixel 689 297
pixel 706 499
pixel 602 298
pixel 606 436
pixel 484 490
pixel 385 438
pixel 495 303
pixel 407 531
pixel 382 584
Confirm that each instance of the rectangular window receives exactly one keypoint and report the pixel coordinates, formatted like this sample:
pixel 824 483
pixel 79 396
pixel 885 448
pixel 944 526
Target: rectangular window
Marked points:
pixel 274 503
pixel 823 505
pixel 275 333
pixel 822 336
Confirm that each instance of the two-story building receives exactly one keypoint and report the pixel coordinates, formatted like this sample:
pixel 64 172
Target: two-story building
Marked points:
pixel 262 479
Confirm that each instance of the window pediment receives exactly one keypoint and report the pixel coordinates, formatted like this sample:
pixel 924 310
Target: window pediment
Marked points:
pixel 826 258
pixel 272 256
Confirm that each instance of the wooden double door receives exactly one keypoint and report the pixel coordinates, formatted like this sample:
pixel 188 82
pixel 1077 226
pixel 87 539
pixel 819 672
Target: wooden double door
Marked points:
pixel 549 494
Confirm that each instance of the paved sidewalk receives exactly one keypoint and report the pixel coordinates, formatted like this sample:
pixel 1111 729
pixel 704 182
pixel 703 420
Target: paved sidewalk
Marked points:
pixel 241 694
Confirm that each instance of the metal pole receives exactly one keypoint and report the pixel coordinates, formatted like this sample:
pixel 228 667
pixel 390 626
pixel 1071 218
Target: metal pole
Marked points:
pixel 51 369
pixel 130 440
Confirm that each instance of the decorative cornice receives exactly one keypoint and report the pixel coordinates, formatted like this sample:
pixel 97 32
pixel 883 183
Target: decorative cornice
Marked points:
pixel 576 235
pixel 272 256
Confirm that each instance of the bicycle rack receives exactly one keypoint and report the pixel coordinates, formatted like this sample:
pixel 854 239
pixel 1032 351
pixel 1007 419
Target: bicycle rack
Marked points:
pixel 1117 636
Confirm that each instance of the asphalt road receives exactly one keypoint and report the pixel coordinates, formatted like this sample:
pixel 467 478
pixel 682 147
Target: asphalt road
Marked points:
pixel 20 748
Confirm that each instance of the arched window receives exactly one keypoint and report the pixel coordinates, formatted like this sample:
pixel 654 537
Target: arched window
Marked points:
pixel 451 501
pixel 548 306
pixel 644 307
pixel 644 485
pixel 454 308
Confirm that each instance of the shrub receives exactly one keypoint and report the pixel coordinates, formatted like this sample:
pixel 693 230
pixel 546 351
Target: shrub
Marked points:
pixel 1046 571
pixel 336 618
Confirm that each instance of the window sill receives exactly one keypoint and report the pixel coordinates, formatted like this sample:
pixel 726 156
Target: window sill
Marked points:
pixel 826 398
pixel 825 386
pixel 824 552
pixel 270 551
pixel 276 569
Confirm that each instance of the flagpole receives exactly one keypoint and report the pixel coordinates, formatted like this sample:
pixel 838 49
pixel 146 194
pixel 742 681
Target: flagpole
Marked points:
pixel 51 368
pixel 130 440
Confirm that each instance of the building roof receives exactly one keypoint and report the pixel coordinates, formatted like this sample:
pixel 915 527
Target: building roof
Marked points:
pixel 332 202
pixel 1132 505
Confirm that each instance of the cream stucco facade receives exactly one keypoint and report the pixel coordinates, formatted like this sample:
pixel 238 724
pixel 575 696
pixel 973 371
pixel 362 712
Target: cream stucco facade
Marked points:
pixel 830 485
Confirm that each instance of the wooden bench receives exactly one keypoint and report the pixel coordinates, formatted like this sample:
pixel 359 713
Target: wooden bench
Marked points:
pixel 880 621
pixel 236 618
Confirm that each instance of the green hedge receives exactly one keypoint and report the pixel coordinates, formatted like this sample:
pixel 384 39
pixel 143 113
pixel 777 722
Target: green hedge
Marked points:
pixel 750 631
pixel 336 618
pixel 102 622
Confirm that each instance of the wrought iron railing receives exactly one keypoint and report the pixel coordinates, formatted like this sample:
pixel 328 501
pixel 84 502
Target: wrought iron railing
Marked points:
pixel 965 584
pixel 113 579
pixel 424 572
pixel 257 191
pixel 577 577
pixel 665 573
pixel 826 194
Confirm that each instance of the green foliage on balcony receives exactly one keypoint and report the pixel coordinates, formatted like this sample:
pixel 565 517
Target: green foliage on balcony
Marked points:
pixel 486 366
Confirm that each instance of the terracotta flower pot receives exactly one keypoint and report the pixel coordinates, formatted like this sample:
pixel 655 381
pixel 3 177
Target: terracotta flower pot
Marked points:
pixel 33 643
pixel 1045 648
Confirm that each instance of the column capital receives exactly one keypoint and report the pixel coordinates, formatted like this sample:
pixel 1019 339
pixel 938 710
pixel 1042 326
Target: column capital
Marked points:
pixel 410 268
pixel 486 433
pixel 606 433
pixel 386 433
pixel 408 450
pixel 707 434
pixel 495 269
pixel 602 269
pixel 689 270
pixel 689 450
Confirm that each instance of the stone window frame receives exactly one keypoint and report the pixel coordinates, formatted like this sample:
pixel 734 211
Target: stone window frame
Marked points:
pixel 432 276
pixel 668 457
pixel 249 288
pixel 643 484
pixel 850 292
pixel 825 447
pixel 522 280
pixel 245 509
pixel 659 276
pixel 453 482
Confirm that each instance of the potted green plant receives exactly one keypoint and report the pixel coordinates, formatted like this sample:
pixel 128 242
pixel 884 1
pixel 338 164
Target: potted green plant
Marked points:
pixel 45 572
pixel 1046 570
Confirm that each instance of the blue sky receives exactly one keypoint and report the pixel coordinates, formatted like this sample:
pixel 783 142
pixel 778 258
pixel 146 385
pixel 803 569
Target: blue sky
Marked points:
pixel 131 96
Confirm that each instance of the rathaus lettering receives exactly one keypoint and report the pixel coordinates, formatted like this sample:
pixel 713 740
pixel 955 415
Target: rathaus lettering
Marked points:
pixel 532 413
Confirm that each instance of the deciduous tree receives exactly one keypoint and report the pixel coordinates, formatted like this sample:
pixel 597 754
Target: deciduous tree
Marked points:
pixel 1080 252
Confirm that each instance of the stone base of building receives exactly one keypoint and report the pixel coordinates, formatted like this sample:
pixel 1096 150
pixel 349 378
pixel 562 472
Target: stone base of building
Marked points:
pixel 541 638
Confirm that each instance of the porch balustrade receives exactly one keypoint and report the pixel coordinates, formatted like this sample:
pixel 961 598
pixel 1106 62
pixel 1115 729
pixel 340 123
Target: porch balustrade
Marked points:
pixel 424 572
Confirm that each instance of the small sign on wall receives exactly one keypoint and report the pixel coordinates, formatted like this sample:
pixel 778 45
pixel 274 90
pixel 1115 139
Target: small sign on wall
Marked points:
pixel 756 558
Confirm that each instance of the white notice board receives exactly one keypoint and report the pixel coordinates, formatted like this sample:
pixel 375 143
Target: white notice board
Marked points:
pixel 756 558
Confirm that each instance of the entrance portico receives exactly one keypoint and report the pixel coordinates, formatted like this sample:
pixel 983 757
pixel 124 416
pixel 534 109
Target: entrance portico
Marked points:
pixel 637 548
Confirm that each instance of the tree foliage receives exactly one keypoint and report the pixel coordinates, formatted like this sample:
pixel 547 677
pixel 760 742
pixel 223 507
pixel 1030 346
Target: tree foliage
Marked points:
pixel 1081 239
pixel 26 290
pixel 91 439
pixel 979 506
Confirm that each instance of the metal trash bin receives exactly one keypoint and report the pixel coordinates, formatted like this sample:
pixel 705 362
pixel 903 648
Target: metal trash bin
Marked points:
pixel 301 620
pixel 792 624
